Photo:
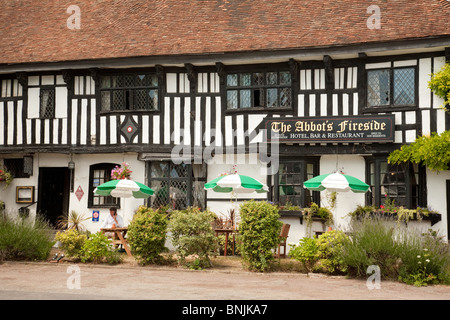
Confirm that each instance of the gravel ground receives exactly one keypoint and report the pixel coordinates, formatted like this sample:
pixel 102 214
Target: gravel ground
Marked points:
pixel 69 281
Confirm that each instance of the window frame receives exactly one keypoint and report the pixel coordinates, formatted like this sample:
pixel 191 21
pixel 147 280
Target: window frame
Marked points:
pixel 374 196
pixel 51 89
pixel 391 105
pixel 107 167
pixel 189 179
pixel 129 92
pixel 274 186
pixel 255 87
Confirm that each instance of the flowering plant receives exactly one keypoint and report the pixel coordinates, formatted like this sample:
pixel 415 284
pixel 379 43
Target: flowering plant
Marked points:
pixel 122 172
pixel 232 171
pixel 6 176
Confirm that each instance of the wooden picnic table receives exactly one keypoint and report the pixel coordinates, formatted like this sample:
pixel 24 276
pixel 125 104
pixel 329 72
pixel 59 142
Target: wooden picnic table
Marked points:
pixel 120 233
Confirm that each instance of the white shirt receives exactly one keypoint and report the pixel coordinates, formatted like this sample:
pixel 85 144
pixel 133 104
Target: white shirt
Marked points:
pixel 109 221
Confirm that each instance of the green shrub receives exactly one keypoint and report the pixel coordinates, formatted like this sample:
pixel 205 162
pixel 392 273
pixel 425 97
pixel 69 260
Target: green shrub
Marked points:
pixel 425 259
pixel 259 233
pixel 25 239
pixel 71 242
pixel 371 243
pixel 192 234
pixel 98 248
pixel 329 244
pixel 147 235
pixel 305 252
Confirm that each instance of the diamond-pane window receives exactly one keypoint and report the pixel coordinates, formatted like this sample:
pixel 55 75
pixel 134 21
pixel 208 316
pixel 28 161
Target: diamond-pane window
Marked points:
pixel 404 91
pixel 47 103
pixel 259 89
pixel 177 185
pixel 391 87
pixel 129 92
pixel 378 87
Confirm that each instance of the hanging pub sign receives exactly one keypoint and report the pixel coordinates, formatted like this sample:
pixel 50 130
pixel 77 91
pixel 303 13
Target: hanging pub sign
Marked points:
pixel 370 128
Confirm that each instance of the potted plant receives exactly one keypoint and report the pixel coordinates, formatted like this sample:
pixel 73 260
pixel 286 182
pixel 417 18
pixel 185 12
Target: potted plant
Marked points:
pixel 289 210
pixel 122 172
pixel 316 213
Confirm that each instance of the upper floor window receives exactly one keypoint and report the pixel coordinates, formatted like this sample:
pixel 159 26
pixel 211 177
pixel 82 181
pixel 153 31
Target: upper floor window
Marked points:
pixel 47 102
pixel 129 92
pixel 10 88
pixel 259 89
pixel 391 87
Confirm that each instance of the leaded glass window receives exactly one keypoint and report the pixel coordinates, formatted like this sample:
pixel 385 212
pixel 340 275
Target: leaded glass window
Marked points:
pixel 47 103
pixel 129 92
pixel 177 185
pixel 259 89
pixel 391 87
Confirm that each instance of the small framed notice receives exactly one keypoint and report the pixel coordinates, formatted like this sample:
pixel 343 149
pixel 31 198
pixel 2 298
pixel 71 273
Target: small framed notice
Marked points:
pixel 24 194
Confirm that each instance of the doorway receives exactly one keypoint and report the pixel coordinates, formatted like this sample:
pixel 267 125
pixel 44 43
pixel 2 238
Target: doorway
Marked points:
pixel 53 193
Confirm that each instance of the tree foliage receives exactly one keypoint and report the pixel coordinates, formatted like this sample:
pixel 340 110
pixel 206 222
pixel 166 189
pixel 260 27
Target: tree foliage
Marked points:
pixel 432 151
pixel 440 85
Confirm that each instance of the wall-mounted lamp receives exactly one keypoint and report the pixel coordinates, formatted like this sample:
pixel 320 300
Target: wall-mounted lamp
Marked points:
pixel 71 165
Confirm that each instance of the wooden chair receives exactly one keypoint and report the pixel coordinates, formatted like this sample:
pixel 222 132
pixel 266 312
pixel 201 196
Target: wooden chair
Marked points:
pixel 283 237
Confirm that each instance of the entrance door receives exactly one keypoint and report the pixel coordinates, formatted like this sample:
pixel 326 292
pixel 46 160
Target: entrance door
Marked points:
pixel 53 193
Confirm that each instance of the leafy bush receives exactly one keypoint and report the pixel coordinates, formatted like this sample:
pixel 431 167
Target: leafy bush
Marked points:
pixel 371 243
pixel 425 259
pixel 305 252
pixel 25 239
pixel 322 253
pixel 329 244
pixel 259 229
pixel 98 248
pixel 71 242
pixel 147 234
pixel 192 234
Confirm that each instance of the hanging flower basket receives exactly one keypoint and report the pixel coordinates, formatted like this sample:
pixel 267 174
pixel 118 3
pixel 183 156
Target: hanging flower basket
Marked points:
pixel 122 172
pixel 6 176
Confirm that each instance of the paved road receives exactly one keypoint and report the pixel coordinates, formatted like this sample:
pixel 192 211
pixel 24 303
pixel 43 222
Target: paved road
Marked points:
pixel 48 281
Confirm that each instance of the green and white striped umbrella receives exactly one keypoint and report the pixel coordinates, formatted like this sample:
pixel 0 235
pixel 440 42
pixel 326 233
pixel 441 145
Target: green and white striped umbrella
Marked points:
pixel 236 183
pixel 336 182
pixel 124 188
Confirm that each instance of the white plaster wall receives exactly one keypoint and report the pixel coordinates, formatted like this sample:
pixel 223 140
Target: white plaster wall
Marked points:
pixel 353 165
pixel 436 185
pixel 8 194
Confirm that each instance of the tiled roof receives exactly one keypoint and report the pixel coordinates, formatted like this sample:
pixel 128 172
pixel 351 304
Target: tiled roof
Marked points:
pixel 36 31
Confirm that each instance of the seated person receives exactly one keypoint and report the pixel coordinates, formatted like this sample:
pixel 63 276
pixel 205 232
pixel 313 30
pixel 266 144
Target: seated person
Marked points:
pixel 112 221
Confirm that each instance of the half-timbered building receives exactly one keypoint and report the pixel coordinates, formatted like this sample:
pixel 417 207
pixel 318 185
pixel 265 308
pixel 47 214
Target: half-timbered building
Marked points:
pixel 184 90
